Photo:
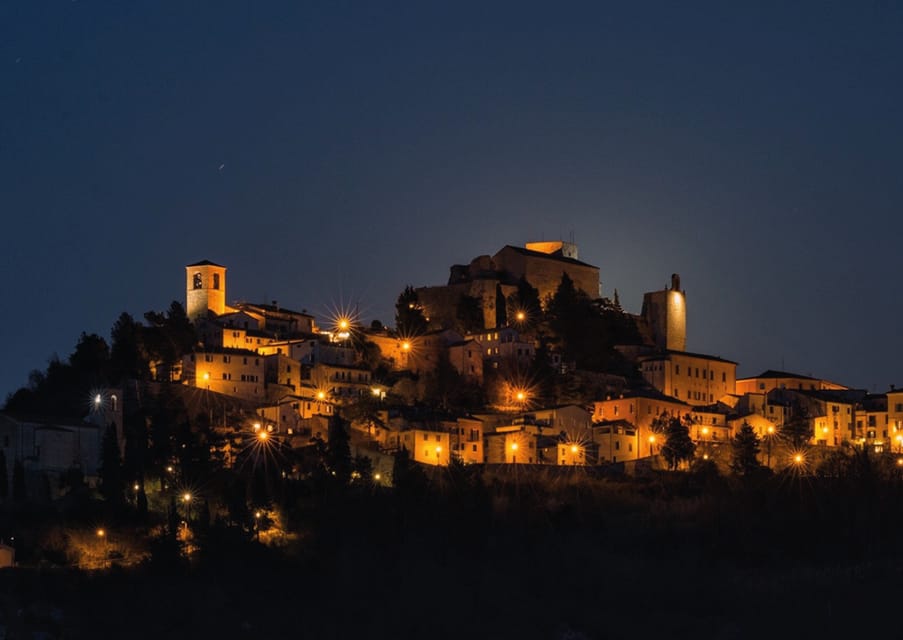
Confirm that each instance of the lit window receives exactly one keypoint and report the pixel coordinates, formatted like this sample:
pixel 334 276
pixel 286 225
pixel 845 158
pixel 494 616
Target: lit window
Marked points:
pixel 198 281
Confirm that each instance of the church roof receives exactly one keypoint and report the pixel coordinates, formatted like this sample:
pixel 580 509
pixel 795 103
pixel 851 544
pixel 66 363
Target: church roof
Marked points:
pixel 206 263
pixel 548 256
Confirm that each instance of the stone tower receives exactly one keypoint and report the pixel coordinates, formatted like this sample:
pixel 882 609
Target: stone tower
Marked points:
pixel 665 312
pixel 205 289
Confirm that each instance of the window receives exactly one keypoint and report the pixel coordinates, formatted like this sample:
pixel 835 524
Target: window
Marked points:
pixel 197 281
pixel 677 369
pixel 216 281
pixel 723 376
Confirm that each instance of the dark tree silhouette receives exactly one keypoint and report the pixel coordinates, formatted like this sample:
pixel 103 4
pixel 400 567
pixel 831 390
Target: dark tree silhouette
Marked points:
pixel 469 314
pixel 4 477
pixel 19 481
pixel 678 445
pixel 168 337
pixel 409 318
pixel 797 431
pixel 338 449
pixel 111 486
pixel 128 356
pixel 501 307
pixel 745 451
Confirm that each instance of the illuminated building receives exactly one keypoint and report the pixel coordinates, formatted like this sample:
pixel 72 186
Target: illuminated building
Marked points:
pixel 205 290
pixel 665 314
pixel 770 380
pixel 488 279
pixel 693 378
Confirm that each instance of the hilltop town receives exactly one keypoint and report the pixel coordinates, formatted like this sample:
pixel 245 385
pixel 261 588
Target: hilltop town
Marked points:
pixel 513 431
pixel 517 359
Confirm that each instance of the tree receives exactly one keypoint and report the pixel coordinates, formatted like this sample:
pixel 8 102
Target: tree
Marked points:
pixel 111 466
pixel 526 301
pixel 678 446
pixel 409 318
pixel 501 307
pixel 168 337
pixel 797 430
pixel 338 449
pixel 18 481
pixel 469 314
pixel 4 477
pixel 407 477
pixel 128 358
pixel 91 358
pixel 745 451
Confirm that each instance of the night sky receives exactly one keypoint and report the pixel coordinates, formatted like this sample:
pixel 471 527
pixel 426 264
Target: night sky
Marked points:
pixel 330 153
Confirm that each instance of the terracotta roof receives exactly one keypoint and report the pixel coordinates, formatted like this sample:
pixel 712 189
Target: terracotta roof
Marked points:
pixel 206 263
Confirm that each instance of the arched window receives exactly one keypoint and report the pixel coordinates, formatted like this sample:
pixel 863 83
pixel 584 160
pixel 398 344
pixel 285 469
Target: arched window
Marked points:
pixel 216 281
pixel 198 282
pixel 113 403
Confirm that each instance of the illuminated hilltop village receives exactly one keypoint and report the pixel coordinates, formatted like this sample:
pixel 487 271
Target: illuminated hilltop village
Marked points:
pixel 298 373
pixel 516 359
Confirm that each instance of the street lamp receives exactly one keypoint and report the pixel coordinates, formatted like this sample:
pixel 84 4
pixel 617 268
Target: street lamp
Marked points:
pixel 186 497
pixel 651 444
pixel 514 452
pixel 438 455
pixel 257 515
pixel 102 534
pixel 768 438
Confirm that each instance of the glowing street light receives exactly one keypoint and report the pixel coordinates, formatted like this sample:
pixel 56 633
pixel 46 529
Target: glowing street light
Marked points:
pixel 768 441
pixel 186 498
pixel 102 535
pixel 257 515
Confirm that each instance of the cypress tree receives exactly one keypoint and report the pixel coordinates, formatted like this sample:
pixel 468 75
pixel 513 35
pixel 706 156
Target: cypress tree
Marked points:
pixel 18 481
pixel 4 477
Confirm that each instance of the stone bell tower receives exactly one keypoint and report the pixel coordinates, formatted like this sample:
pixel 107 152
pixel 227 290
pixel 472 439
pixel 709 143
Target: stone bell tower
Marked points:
pixel 205 290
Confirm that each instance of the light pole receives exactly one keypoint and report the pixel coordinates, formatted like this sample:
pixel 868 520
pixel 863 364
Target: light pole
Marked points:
pixel 186 497
pixel 257 515
pixel 102 534
pixel 768 438
pixel 514 462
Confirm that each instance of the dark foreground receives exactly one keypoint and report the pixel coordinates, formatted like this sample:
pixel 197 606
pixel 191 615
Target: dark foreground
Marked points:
pixel 675 557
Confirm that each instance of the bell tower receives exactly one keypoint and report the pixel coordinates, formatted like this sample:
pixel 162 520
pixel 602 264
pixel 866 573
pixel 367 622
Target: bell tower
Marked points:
pixel 205 289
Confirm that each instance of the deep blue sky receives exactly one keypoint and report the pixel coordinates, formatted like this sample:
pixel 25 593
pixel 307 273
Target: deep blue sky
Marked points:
pixel 331 153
